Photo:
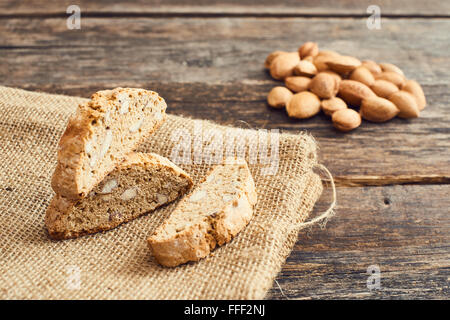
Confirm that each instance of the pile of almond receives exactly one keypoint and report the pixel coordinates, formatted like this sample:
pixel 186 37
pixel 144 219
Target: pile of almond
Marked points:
pixel 326 80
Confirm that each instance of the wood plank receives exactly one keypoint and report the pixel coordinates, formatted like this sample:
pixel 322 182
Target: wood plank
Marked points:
pixel 405 230
pixel 211 50
pixel 227 7
pixel 397 152
pixel 213 69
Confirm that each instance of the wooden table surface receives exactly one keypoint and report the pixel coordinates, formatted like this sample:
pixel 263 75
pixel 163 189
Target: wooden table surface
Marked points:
pixel 206 61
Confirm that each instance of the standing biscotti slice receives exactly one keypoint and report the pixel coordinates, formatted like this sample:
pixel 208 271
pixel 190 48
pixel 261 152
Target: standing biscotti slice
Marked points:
pixel 212 215
pixel 100 134
pixel 140 184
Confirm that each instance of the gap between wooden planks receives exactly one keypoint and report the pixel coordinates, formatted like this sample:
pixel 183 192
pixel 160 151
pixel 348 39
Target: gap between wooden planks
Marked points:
pixel 229 8
pixel 357 181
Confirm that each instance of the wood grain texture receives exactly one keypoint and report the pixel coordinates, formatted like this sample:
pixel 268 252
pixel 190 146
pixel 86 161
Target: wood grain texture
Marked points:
pixel 227 7
pixel 211 50
pixel 405 230
pixel 213 69
pixel 207 62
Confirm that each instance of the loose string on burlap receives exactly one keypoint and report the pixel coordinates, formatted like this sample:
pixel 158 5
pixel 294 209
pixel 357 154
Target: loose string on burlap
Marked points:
pixel 322 219
pixel 327 214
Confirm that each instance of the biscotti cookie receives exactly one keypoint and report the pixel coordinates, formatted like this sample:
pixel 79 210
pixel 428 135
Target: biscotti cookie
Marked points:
pixel 140 184
pixel 100 134
pixel 211 215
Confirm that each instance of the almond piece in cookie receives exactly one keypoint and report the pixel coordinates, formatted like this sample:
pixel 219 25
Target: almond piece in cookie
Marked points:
pixel 210 216
pixel 140 184
pixel 100 134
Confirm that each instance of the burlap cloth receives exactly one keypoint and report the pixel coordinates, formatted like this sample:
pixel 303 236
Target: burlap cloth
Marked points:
pixel 117 264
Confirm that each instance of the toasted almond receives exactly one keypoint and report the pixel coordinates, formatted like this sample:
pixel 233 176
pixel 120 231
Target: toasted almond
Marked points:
pixel 320 62
pixel 278 97
pixel 297 83
pixel 303 105
pixel 406 103
pixel 324 85
pixel 391 67
pixel 393 77
pixel 343 64
pixel 322 57
pixel 363 75
pixel 336 76
pixel 329 106
pixel 161 198
pixel 198 195
pixel 309 59
pixel 383 88
pixel 106 143
pixel 415 89
pixel 129 194
pixel 353 92
pixel 136 126
pixel 373 67
pixel 305 68
pixel 283 65
pixel 327 53
pixel 308 49
pixel 346 119
pixel 109 186
pixel 378 109
pixel 271 57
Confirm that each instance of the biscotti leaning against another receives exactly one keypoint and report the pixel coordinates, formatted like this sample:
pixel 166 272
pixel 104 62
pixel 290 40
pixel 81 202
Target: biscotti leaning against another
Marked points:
pixel 140 184
pixel 100 134
pixel 211 215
